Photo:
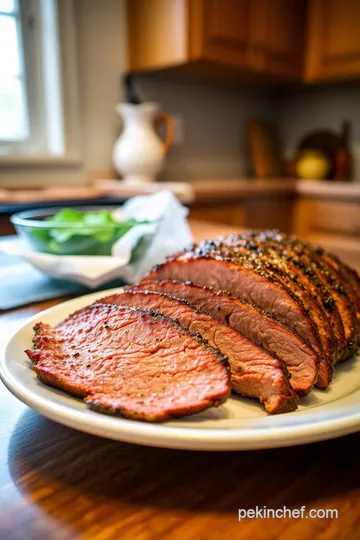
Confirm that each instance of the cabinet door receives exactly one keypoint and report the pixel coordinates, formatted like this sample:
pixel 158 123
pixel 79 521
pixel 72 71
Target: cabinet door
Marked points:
pixel 263 36
pixel 220 30
pixel 227 214
pixel 284 33
pixel 334 40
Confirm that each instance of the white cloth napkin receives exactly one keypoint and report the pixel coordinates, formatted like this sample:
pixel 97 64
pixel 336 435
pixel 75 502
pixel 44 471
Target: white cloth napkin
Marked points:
pixel 170 232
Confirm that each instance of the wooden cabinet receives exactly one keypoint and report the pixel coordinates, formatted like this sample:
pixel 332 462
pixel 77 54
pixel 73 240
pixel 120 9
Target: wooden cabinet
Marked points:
pixel 221 31
pixel 223 213
pixel 254 37
pixel 334 40
pixel 257 212
pixel 334 224
pixel 284 36
pixel 279 40
pixel 322 216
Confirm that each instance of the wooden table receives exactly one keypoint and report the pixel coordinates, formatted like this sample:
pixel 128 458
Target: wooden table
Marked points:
pixel 60 484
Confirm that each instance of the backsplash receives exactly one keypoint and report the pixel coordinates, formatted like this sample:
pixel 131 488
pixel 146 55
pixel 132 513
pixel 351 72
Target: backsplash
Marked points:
pixel 214 118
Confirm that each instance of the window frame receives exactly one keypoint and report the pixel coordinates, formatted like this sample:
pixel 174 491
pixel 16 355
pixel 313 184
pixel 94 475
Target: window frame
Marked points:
pixel 17 16
pixel 35 150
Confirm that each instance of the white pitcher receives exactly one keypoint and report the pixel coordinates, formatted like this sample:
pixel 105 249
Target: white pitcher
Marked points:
pixel 139 153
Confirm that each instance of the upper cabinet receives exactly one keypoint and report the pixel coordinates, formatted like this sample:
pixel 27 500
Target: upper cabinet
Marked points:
pixel 253 37
pixel 275 40
pixel 333 40
pixel 283 36
pixel 220 31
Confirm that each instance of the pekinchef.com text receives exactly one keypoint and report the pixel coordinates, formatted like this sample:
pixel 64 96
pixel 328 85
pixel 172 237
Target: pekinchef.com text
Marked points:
pixel 263 512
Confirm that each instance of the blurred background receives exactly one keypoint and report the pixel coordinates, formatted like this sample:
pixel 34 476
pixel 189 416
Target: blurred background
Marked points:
pixel 258 102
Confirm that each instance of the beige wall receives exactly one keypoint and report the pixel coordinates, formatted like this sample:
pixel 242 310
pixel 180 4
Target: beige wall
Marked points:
pixel 101 57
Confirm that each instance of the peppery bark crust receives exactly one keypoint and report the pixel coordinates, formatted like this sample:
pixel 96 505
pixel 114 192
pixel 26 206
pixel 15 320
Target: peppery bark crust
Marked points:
pixel 339 280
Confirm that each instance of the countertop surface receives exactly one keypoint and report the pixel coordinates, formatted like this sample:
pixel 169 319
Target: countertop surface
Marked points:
pixel 204 192
pixel 60 484
pixel 242 189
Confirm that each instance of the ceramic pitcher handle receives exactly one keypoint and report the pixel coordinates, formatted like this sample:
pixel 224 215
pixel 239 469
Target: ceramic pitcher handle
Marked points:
pixel 169 136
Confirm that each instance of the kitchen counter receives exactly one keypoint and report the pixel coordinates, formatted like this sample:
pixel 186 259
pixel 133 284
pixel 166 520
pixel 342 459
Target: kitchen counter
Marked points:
pixel 221 190
pixel 344 191
pixel 214 191
pixel 210 191
pixel 246 203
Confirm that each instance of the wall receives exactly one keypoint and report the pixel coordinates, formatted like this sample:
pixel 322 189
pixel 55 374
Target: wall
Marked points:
pixel 101 55
pixel 318 108
pixel 214 126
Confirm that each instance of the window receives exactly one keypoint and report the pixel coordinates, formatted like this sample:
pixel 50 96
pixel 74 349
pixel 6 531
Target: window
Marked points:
pixel 31 104
pixel 14 119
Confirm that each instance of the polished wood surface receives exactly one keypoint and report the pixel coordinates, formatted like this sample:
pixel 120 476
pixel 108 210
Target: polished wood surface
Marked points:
pixel 60 484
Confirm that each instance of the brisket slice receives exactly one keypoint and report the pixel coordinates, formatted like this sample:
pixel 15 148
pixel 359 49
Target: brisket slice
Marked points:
pixel 344 276
pixel 132 362
pixel 323 268
pixel 246 250
pixel 312 292
pixel 316 278
pixel 254 372
pixel 297 270
pixel 243 279
pixel 350 275
pixel 342 293
pixel 261 328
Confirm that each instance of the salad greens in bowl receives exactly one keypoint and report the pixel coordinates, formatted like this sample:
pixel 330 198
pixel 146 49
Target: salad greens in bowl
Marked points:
pixel 69 231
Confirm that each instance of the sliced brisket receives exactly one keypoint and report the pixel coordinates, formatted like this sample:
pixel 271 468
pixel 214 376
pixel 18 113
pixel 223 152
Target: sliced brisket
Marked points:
pixel 339 296
pixel 348 275
pixel 245 279
pixel 301 360
pixel 343 297
pixel 132 362
pixel 254 372
pixel 284 274
pixel 297 270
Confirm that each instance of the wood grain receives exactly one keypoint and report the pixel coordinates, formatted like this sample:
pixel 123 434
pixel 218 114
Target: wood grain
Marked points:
pixel 60 484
